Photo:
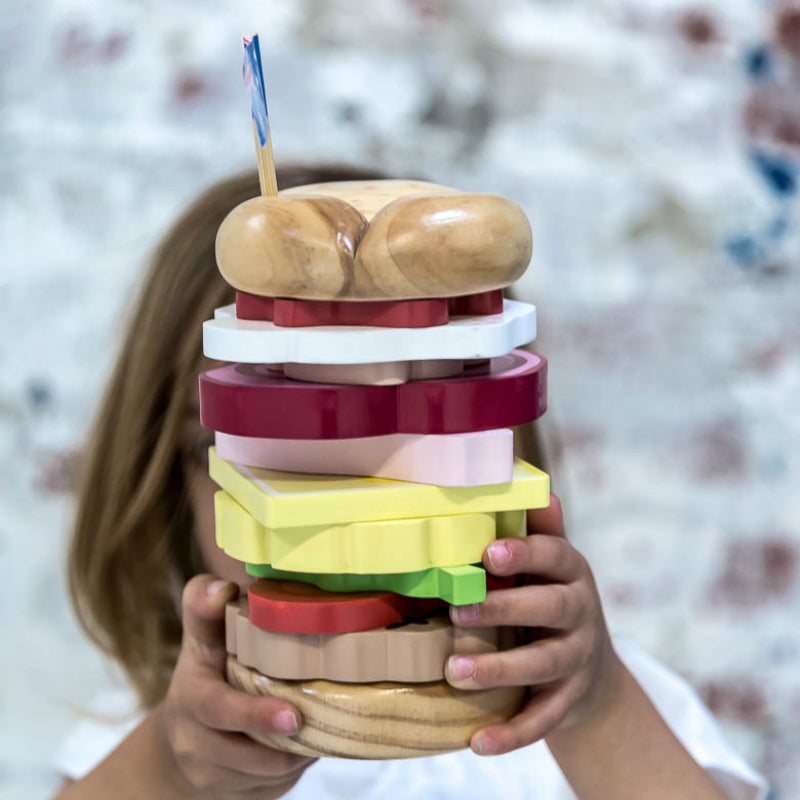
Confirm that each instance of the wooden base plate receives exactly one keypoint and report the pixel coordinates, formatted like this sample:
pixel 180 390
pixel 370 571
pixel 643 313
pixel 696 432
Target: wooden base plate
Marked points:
pixel 379 720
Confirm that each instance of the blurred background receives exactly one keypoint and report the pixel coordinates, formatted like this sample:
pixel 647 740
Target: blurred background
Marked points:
pixel 654 146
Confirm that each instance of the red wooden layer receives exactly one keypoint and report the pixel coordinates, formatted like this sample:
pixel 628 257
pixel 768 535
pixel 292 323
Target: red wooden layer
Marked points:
pixel 290 313
pixel 295 607
pixel 251 400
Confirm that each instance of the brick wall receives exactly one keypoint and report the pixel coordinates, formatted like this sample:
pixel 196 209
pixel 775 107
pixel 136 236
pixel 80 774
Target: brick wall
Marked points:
pixel 652 145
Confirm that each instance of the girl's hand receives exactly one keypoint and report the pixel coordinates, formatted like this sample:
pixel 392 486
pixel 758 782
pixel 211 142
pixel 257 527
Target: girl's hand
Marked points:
pixel 569 663
pixel 205 722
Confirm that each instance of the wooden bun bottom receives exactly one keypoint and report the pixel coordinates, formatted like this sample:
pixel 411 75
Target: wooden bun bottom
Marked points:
pixel 379 720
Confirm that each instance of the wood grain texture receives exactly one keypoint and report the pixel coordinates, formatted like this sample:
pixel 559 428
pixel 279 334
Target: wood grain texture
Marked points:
pixel 379 720
pixel 289 247
pixel 436 246
pixel 369 197
pixel 411 652
pixel 437 243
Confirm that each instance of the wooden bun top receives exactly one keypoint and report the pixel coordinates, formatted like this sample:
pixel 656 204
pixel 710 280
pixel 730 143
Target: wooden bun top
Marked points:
pixel 373 240
pixel 369 197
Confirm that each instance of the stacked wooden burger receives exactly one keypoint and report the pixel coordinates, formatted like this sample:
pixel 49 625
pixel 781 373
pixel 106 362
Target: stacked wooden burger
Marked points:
pixel 364 451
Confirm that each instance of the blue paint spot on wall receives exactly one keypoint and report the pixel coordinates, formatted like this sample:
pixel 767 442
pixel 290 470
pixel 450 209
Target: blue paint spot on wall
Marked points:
pixel 779 172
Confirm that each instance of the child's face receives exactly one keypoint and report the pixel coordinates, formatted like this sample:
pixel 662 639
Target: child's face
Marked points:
pixel 195 441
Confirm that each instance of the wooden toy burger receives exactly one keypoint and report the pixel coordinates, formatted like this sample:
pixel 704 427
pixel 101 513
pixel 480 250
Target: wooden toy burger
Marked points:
pixel 364 451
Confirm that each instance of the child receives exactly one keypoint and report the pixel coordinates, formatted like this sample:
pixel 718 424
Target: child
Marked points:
pixel 144 535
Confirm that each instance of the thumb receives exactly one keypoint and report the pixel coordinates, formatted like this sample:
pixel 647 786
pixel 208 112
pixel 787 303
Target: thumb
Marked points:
pixel 204 600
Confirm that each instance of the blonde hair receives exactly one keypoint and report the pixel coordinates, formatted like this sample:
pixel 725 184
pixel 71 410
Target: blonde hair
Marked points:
pixel 132 547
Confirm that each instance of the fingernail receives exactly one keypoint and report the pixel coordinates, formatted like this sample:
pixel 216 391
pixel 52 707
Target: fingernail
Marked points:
pixel 499 554
pixel 286 722
pixel 464 613
pixel 485 746
pixel 460 668
pixel 215 586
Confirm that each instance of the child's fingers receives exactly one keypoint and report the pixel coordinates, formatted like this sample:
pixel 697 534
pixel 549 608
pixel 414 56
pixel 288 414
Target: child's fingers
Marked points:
pixel 544 713
pixel 553 605
pixel 241 753
pixel 217 705
pixel 538 554
pixel 540 662
pixel 208 724
pixel 549 521
pixel 204 599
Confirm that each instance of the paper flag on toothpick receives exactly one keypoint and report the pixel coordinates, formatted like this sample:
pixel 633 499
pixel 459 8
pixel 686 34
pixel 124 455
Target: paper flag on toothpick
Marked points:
pixel 254 81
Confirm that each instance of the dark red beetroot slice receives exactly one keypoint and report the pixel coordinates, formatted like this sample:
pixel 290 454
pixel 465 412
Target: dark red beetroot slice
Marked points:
pixel 251 400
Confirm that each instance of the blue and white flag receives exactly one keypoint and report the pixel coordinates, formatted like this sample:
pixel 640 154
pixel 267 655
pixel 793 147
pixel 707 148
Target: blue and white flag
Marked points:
pixel 254 81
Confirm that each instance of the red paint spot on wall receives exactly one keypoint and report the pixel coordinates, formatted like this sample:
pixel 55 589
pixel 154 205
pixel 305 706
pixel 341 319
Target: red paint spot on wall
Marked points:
pixel 429 11
pixel 75 44
pixel 764 359
pixel 114 46
pixel 58 472
pixel 735 699
pixel 787 26
pixel 773 114
pixel 80 44
pixel 189 87
pixel 698 27
pixel 624 594
pixel 719 452
pixel 580 438
pixel 756 572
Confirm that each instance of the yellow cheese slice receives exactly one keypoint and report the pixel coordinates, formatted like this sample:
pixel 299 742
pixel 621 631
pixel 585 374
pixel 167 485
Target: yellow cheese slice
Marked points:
pixel 381 547
pixel 290 500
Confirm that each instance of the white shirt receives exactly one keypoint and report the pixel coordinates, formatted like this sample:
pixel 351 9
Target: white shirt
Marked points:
pixel 530 773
